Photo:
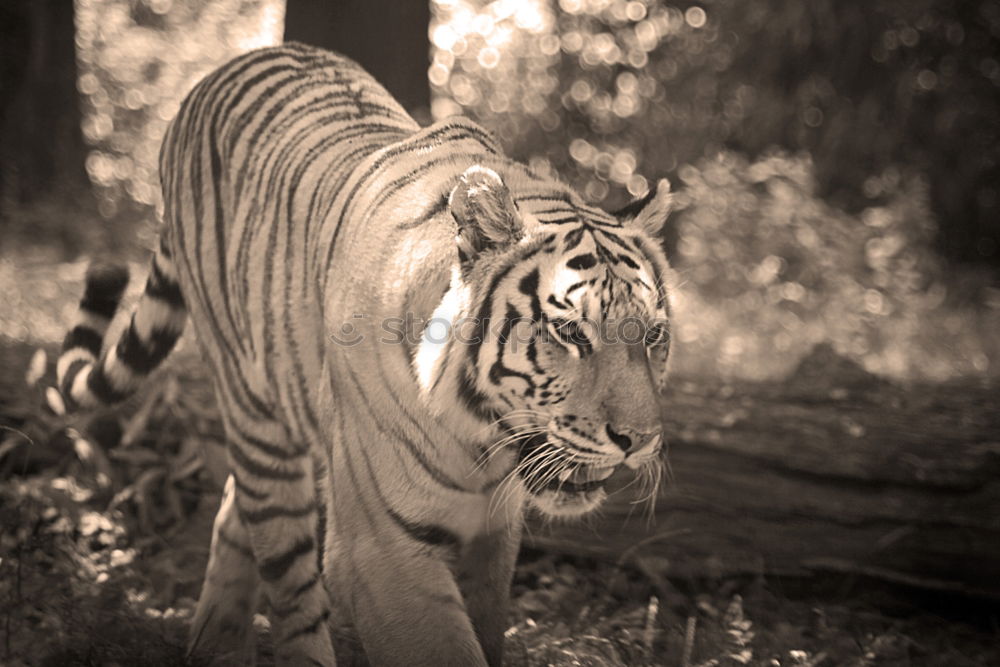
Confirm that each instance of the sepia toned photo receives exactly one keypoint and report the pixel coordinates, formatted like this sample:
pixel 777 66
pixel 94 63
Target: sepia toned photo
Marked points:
pixel 485 333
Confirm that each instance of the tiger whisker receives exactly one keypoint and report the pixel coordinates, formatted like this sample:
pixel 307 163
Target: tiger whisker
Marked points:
pixel 487 454
pixel 653 473
pixel 520 412
pixel 557 473
pixel 650 477
pixel 503 494
pixel 518 432
pixel 518 471
pixel 547 469
pixel 534 466
pixel 668 470
pixel 554 466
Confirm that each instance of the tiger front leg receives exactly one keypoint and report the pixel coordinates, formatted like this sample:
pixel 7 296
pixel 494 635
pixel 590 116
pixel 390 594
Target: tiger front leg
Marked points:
pixel 484 577
pixel 406 605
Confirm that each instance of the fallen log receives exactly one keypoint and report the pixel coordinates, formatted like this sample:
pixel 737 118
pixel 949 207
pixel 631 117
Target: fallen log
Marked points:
pixel 833 470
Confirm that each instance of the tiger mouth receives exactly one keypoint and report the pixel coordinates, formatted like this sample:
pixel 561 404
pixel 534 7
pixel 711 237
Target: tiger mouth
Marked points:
pixel 574 489
pixel 581 480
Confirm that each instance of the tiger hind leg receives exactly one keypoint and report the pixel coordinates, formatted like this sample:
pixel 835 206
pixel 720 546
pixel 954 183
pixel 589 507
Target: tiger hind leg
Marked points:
pixel 222 626
pixel 274 503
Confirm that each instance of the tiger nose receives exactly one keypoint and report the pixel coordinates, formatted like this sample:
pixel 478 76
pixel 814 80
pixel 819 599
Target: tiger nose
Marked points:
pixel 633 441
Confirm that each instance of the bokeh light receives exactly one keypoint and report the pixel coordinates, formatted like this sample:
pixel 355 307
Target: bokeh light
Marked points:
pixel 613 94
pixel 137 59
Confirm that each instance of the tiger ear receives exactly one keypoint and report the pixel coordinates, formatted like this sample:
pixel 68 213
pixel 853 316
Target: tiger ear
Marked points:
pixel 484 211
pixel 650 212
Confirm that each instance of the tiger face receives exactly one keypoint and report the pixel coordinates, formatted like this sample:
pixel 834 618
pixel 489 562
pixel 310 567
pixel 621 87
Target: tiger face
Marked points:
pixel 574 329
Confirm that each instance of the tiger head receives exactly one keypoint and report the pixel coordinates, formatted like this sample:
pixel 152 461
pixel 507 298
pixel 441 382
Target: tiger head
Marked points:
pixel 568 338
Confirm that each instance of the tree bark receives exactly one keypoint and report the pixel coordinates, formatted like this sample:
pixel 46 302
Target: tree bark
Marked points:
pixel 41 146
pixel 812 477
pixel 386 37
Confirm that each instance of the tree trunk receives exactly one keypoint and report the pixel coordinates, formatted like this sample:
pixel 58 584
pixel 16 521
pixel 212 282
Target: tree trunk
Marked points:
pixel 41 146
pixel 387 37
pixel 818 476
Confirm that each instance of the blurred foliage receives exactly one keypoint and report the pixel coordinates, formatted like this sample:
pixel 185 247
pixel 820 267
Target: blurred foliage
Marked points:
pixel 137 60
pixel 83 496
pixel 611 91
pixel 768 270
pixel 810 144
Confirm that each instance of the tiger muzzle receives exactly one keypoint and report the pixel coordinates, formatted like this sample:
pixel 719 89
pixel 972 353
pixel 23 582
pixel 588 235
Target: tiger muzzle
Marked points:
pixel 643 448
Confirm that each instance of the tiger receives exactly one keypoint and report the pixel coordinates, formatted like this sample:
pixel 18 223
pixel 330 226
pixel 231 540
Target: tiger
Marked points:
pixel 408 337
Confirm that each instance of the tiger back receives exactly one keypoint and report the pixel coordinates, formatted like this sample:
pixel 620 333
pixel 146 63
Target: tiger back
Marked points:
pixel 413 340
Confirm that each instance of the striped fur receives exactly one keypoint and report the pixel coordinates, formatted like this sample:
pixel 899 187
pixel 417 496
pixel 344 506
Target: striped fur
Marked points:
pixel 157 323
pixel 310 224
